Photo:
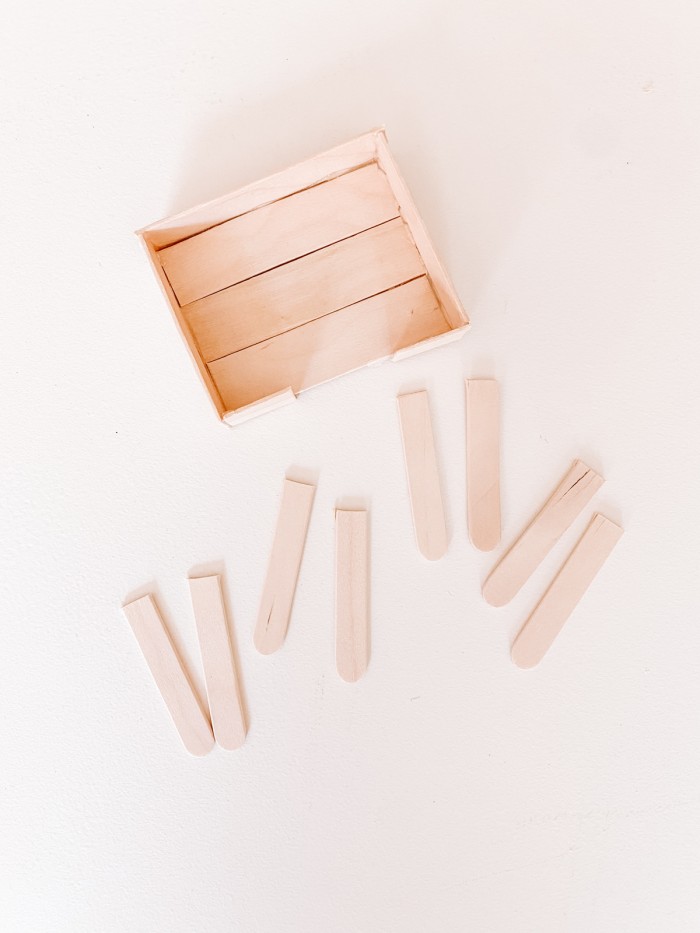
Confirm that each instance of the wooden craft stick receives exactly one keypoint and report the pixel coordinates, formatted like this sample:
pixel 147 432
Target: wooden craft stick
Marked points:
pixel 277 233
pixel 220 675
pixel 170 675
pixel 331 346
pixel 576 575
pixel 283 569
pixel 566 502
pixel 423 476
pixel 483 463
pixel 351 594
pixel 304 290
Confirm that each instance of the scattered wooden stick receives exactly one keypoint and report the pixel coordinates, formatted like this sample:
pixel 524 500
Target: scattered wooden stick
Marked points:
pixel 351 594
pixel 483 463
pixel 524 556
pixel 423 476
pixel 564 592
pixel 220 675
pixel 170 675
pixel 283 569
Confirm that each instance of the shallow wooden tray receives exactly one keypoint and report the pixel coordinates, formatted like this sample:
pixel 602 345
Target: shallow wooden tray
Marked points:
pixel 302 277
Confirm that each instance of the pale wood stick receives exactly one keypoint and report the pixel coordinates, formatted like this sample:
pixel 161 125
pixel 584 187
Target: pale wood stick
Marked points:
pixel 283 568
pixel 351 593
pixel 524 556
pixel 331 346
pixel 304 290
pixel 278 233
pixel 423 475
pixel 564 592
pixel 483 463
pixel 170 675
pixel 220 675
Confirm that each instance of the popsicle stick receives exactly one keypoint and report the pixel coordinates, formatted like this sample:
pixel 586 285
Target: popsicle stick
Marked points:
pixel 483 463
pixel 170 675
pixel 277 233
pixel 423 476
pixel 566 502
pixel 351 593
pixel 576 575
pixel 283 569
pixel 228 721
pixel 298 292
pixel 332 345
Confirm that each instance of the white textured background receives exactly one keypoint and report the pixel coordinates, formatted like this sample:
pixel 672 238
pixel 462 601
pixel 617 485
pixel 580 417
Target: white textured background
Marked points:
pixel 553 149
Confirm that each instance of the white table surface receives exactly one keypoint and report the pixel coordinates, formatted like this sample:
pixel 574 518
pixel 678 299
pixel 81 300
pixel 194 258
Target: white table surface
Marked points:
pixel 553 150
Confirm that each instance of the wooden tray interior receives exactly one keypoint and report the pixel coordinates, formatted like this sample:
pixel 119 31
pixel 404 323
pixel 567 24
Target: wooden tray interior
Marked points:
pixel 305 286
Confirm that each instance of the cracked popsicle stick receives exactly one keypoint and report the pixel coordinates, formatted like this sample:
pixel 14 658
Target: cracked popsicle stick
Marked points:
pixel 422 472
pixel 228 721
pixel 170 675
pixel 283 569
pixel 483 463
pixel 351 593
pixel 529 550
pixel 564 592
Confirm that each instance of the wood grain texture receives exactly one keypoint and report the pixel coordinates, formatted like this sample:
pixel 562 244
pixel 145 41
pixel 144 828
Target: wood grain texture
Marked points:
pixel 283 568
pixel 565 591
pixel 331 346
pixel 423 475
pixel 483 463
pixel 223 691
pixel 523 557
pixel 304 290
pixel 351 593
pixel 321 167
pixel 278 233
pixel 170 675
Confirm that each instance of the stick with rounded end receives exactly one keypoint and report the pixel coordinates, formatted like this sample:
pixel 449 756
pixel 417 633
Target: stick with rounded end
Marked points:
pixel 566 589
pixel 227 719
pixel 566 502
pixel 170 675
pixel 483 463
pixel 423 476
pixel 283 569
pixel 351 593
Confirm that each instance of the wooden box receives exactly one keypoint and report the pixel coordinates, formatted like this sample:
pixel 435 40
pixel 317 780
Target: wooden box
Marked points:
pixel 304 276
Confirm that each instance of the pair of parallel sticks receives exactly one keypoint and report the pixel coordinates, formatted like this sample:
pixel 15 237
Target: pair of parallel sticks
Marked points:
pixel 226 723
